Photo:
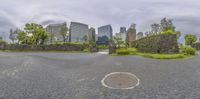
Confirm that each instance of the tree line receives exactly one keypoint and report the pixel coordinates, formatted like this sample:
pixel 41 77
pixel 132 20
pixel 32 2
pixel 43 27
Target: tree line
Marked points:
pixel 34 34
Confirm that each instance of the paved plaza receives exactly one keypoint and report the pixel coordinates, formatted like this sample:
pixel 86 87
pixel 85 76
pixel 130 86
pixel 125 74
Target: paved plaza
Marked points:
pixel 78 76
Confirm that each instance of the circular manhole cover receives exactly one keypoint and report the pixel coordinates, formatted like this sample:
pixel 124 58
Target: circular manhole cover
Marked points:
pixel 120 80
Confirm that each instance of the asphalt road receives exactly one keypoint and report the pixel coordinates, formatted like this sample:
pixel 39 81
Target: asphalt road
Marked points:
pixel 79 75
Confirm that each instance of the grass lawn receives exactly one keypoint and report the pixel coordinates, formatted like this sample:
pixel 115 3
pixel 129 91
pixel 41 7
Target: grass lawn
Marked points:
pixel 133 51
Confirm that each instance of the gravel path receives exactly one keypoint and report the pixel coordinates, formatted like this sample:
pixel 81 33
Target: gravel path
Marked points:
pixel 79 75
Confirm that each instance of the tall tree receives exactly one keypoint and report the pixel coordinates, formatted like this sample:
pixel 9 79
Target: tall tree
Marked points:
pixel 190 39
pixel 63 32
pixel 22 37
pixel 166 24
pixel 37 33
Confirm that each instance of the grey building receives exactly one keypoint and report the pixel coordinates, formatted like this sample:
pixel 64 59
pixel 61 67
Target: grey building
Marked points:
pixel 140 35
pixel 55 31
pixel 104 34
pixel 78 32
pixel 122 29
pixel 92 35
pixel 105 31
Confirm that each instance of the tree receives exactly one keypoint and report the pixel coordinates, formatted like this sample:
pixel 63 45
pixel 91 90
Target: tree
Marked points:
pixel 118 42
pixel 155 28
pixel 38 33
pixel 166 24
pixel 22 37
pixel 63 32
pixel 190 39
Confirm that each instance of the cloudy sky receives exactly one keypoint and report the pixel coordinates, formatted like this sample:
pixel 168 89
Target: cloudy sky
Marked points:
pixel 95 13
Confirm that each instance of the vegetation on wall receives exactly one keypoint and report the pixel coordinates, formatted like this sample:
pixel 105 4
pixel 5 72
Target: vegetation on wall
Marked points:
pixel 163 43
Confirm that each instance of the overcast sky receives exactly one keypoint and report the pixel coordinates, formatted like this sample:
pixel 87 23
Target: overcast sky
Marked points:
pixel 95 13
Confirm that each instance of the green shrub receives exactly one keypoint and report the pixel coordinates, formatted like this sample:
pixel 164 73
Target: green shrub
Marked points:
pixel 2 41
pixel 86 50
pixel 123 52
pixel 168 32
pixel 102 47
pixel 132 50
pixel 188 50
pixel 162 56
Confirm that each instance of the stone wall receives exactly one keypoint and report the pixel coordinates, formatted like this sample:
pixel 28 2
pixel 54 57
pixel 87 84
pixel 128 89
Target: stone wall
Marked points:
pixel 53 47
pixel 164 43
pixel 2 45
pixel 196 46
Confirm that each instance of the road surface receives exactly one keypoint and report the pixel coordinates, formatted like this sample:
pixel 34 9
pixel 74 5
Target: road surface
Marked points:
pixel 78 76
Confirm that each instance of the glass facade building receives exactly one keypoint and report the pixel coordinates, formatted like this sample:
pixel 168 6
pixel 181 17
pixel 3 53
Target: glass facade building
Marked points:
pixel 104 34
pixel 78 32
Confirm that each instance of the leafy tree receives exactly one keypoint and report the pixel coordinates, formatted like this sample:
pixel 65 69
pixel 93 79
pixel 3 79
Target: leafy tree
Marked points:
pixel 170 30
pixel 63 32
pixel 190 39
pixel 22 37
pixel 118 42
pixel 38 33
pixel 33 34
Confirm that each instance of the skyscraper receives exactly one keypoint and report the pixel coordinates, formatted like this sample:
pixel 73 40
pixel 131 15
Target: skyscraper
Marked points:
pixel 121 34
pixel 78 32
pixel 122 29
pixel 104 34
pixel 131 34
pixel 92 35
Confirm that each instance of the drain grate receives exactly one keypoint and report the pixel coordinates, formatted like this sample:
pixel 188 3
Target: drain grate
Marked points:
pixel 120 80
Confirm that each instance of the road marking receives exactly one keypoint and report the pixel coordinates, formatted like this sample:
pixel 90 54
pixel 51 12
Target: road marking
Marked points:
pixel 102 52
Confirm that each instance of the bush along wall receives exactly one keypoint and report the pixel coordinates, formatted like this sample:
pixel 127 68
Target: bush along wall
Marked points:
pixel 51 47
pixel 2 45
pixel 163 43
pixel 196 46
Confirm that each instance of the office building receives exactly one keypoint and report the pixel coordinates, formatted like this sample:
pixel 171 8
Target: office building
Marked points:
pixel 78 32
pixel 55 30
pixel 104 34
pixel 92 35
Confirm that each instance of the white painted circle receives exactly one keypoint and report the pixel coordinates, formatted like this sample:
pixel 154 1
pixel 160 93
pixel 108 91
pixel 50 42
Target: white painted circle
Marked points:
pixel 120 80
